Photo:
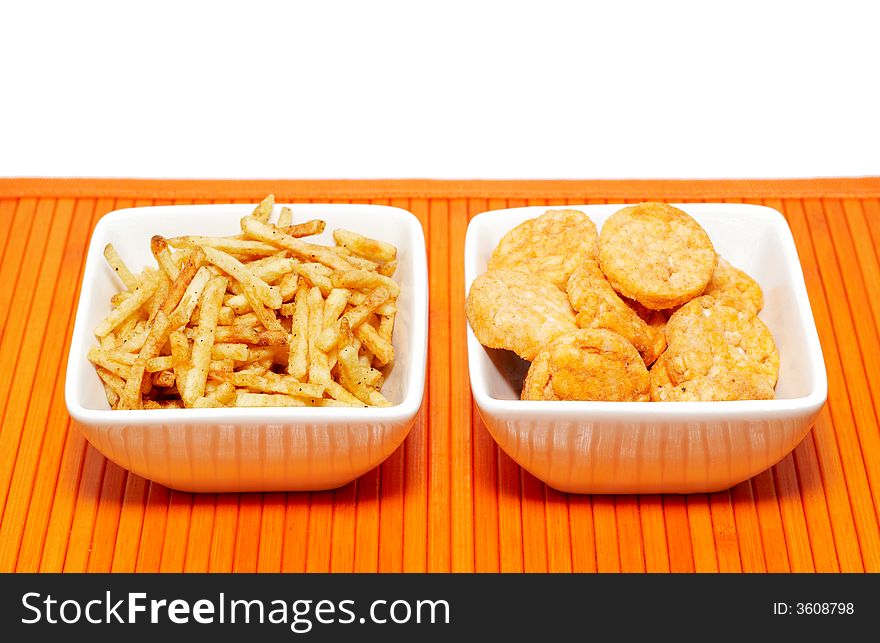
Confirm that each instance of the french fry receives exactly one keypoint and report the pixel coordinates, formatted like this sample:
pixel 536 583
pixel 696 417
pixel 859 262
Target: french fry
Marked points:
pixel 113 381
pixel 180 354
pixel 263 263
pixel 247 320
pixel 360 262
pixel 133 392
pixel 288 286
pixel 338 392
pixel 122 357
pixel 229 245
pixel 355 260
pixel 260 354
pixel 112 396
pixel 328 402
pixel 221 366
pixel 140 295
pixel 135 339
pixel 182 282
pixel 334 305
pixel 272 383
pixel 223 393
pixel 266 364
pixel 373 377
pixel 159 331
pixel 388 308
pixel 146 388
pixel 197 374
pixel 304 229
pixel 285 218
pixel 307 251
pixel 270 269
pixel 135 384
pixel 287 310
pixel 163 404
pixel 316 275
pixel 265 316
pixel 108 341
pixel 377 399
pixel 381 348
pixel 237 352
pixel 226 316
pixel 389 268
pixel 239 304
pixel 274 272
pixel 255 368
pixel 363 280
pixel 243 398
pixel 118 265
pixel 236 334
pixel 163 363
pixel 371 249
pixel 315 268
pixel 297 364
pixel 162 288
pixel 354 317
pixel 349 365
pixel 159 247
pixel 124 330
pixel 207 403
pixel 165 379
pixel 352 375
pixel 264 210
pixel 386 327
pixel 119 297
pixel 197 311
pixel 234 268
pixel 319 368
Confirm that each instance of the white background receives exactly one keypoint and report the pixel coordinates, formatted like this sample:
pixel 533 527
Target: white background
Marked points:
pixel 447 89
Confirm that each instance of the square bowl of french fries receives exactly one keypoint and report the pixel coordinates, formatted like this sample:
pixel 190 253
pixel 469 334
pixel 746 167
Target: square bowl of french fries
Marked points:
pixel 242 348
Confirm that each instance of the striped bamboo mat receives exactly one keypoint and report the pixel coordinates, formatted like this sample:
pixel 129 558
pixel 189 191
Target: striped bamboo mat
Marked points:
pixel 448 499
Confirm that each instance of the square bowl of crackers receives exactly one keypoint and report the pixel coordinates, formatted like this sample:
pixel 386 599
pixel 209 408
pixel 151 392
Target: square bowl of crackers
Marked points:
pixel 241 348
pixel 646 348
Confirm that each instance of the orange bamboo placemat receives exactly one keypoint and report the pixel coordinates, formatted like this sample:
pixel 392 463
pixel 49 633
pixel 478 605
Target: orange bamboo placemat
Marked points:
pixel 448 499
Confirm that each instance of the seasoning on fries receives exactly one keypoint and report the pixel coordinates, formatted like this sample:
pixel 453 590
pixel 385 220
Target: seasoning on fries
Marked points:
pixel 261 318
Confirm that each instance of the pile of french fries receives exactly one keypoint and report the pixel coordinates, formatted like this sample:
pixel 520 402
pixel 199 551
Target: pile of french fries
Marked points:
pixel 257 319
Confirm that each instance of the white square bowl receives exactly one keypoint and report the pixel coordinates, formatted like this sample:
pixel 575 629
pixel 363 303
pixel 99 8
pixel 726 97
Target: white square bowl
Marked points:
pixel 250 449
pixel 660 447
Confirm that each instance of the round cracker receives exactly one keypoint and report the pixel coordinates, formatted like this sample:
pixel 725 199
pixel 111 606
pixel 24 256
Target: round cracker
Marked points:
pixel 707 337
pixel 588 364
pixel 661 385
pixel 728 386
pixel 657 321
pixel 518 311
pixel 551 245
pixel 599 306
pixel 656 254
pixel 735 286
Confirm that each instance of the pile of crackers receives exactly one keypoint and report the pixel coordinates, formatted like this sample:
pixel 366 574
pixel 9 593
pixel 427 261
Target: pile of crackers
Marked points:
pixel 644 311
pixel 260 318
